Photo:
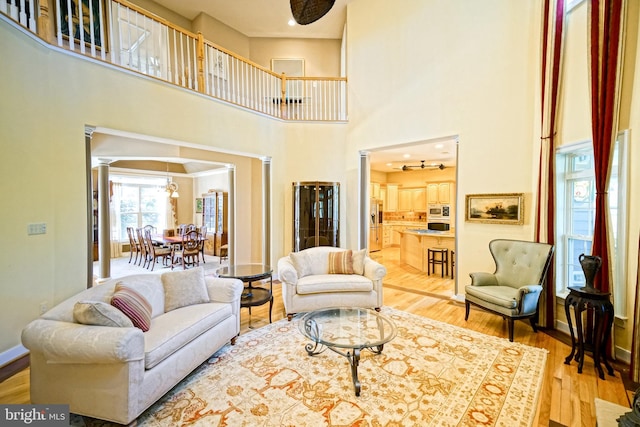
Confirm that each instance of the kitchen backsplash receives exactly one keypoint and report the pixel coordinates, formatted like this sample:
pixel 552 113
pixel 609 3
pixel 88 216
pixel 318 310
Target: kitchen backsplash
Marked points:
pixel 405 216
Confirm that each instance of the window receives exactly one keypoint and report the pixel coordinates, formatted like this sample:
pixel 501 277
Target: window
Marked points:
pixel 137 202
pixel 575 216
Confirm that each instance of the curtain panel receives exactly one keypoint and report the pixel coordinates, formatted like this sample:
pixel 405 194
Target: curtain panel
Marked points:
pixel 552 45
pixel 605 35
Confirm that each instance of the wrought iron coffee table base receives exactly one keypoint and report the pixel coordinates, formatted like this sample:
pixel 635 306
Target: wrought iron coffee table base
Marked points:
pixel 353 357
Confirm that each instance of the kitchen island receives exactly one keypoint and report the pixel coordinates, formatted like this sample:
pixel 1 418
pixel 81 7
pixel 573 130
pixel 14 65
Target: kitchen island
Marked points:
pixel 414 244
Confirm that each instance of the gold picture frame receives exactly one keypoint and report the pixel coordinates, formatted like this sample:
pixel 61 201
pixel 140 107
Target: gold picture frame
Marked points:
pixel 498 208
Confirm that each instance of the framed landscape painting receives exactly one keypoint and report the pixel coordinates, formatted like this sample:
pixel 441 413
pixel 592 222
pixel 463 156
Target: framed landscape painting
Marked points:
pixel 506 208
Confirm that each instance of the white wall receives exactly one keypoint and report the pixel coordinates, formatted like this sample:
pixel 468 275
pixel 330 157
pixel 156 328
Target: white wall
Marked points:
pixel 433 68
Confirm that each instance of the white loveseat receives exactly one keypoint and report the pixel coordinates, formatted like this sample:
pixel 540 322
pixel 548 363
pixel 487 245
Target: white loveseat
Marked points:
pixel 116 372
pixel 309 282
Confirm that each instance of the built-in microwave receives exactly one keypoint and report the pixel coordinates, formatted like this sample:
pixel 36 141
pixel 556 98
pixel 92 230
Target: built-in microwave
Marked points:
pixel 438 211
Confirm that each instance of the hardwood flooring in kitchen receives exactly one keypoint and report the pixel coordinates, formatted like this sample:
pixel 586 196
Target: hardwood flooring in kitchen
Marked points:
pixel 411 279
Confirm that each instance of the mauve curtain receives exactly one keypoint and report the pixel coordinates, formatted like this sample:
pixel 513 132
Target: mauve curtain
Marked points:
pixel 605 36
pixel 553 25
pixel 605 31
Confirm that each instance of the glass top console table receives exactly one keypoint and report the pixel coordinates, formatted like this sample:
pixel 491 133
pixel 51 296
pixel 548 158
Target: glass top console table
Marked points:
pixel 347 331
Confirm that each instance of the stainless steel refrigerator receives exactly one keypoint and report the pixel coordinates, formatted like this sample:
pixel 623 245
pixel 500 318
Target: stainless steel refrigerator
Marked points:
pixel 375 226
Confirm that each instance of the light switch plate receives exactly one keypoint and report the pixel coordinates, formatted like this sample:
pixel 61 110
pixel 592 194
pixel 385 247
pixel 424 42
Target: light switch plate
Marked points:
pixel 39 228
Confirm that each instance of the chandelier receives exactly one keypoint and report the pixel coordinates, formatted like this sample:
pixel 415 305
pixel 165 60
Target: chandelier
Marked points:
pixel 171 187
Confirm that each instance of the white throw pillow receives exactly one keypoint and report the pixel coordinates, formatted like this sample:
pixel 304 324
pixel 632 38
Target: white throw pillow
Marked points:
pixel 182 288
pixel 100 313
pixel 358 261
pixel 301 263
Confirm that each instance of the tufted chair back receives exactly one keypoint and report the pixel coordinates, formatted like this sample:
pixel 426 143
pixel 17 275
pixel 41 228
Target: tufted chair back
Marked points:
pixel 520 263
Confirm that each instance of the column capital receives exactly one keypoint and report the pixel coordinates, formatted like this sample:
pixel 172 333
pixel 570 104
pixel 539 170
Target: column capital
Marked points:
pixel 89 130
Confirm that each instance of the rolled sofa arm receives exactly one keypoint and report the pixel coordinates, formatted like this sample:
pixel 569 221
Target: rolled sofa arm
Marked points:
pixel 287 272
pixel 483 279
pixel 223 289
pixel 373 269
pixel 64 342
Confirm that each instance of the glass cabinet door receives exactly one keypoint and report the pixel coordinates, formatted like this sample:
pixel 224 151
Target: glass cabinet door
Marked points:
pixel 316 214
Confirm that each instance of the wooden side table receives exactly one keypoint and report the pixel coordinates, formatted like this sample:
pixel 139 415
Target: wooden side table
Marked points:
pixel 581 299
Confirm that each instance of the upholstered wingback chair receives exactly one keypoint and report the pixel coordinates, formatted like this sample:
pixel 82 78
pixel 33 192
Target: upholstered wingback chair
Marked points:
pixel 514 289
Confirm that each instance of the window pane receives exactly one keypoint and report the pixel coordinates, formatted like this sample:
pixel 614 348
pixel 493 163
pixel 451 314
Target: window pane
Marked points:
pixel 129 200
pixel 127 220
pixel 576 247
pixel 581 162
pixel 582 215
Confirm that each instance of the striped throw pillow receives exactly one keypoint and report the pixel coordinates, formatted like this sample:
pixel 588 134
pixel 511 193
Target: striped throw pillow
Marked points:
pixel 341 262
pixel 133 305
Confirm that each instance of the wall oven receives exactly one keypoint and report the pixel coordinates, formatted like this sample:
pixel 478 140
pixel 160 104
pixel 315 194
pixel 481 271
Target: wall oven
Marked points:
pixel 438 211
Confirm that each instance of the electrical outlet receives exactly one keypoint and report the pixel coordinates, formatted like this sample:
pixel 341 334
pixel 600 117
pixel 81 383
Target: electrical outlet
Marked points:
pixel 44 307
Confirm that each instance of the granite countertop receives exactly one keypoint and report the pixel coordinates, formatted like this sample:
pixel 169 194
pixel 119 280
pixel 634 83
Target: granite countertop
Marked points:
pixel 431 233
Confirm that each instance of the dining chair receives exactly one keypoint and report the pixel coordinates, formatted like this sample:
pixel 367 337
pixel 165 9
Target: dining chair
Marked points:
pixel 144 250
pixel 189 252
pixel 203 232
pixel 133 245
pixel 156 253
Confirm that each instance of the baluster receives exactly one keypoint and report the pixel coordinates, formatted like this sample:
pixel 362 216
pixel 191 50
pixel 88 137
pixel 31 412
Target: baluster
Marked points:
pixel 175 57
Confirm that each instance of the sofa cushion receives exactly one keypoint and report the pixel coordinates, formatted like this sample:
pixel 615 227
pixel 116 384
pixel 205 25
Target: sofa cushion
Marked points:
pixel 503 296
pixel 333 283
pixel 100 313
pixel 183 288
pixel 173 330
pixel 358 261
pixel 341 262
pixel 133 305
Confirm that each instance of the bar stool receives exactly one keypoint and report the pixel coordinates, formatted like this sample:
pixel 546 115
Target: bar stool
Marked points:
pixel 433 260
pixel 453 263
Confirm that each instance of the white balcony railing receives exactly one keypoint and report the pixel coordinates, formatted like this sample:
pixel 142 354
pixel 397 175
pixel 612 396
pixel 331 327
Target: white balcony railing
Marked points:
pixel 121 33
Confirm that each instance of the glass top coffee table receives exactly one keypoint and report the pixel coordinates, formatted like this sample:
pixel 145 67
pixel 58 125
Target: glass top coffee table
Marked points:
pixel 346 331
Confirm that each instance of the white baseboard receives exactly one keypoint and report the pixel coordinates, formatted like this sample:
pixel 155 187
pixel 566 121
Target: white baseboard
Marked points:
pixel 13 354
pixel 457 298
pixel 621 354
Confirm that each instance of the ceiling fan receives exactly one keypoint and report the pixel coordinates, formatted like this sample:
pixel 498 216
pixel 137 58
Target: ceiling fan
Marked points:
pixel 422 165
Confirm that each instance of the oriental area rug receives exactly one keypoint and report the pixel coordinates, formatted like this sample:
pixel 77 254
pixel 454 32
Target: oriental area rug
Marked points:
pixel 430 374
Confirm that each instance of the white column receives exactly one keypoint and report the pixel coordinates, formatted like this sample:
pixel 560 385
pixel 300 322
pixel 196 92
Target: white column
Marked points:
pixel 104 235
pixel 266 210
pixel 363 197
pixel 231 169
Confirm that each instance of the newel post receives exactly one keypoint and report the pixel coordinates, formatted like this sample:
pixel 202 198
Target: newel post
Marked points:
pixel 200 54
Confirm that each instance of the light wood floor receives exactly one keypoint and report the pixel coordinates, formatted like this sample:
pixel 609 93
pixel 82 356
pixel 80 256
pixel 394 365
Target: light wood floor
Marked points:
pixel 566 398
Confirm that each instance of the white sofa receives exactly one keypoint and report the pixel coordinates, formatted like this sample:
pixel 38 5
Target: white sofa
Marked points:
pixel 308 283
pixel 115 373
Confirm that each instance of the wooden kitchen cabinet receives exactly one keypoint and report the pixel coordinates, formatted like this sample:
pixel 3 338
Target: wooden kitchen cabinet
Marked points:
pixel 412 199
pixel 374 190
pixel 392 197
pixel 440 193
pixel 387 231
pixel 404 199
pixel 419 200
pixel 383 197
